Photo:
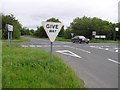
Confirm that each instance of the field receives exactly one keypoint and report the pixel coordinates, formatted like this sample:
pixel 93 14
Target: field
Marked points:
pixel 31 68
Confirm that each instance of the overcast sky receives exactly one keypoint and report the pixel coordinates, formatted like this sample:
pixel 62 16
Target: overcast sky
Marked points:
pixel 31 13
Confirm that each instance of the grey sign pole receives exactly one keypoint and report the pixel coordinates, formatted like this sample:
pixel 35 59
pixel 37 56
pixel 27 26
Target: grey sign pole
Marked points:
pixel 10 37
pixel 52 29
pixel 51 51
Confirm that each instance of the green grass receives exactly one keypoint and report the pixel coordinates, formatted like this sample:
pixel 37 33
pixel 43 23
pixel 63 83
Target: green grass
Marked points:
pixel 31 68
pixel 16 40
pixel 57 38
pixel 63 39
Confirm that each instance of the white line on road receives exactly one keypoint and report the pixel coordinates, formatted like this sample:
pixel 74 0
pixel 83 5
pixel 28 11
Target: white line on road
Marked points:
pixel 24 45
pixel 106 48
pixel 65 42
pixel 80 49
pixel 83 50
pixel 32 45
pixel 45 46
pixel 98 47
pixel 66 46
pixel 113 61
pixel 92 46
pixel 58 46
pixel 38 45
pixel 116 50
pixel 67 52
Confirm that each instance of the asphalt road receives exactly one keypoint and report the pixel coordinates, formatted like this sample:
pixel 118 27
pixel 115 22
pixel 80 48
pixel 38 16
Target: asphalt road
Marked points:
pixel 95 63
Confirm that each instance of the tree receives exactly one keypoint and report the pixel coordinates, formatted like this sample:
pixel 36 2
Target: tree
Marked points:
pixel 53 20
pixel 41 32
pixel 32 32
pixel 67 33
pixel 10 19
pixel 61 33
pixel 85 26
pixel 25 31
pixel 82 26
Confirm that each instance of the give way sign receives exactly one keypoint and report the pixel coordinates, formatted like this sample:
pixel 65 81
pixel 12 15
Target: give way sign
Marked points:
pixel 52 29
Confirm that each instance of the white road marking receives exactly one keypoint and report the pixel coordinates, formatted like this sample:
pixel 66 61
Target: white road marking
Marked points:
pixel 58 46
pixel 92 46
pixel 116 50
pixel 67 52
pixel 113 61
pixel 83 50
pixel 71 47
pixel 66 46
pixel 45 46
pixel 96 47
pixel 32 45
pixel 24 45
pixel 106 48
pixel 99 47
pixel 80 49
pixel 65 42
pixel 38 45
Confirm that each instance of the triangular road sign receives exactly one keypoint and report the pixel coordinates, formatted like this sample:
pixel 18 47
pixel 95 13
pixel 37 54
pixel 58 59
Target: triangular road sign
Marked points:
pixel 52 29
pixel 67 52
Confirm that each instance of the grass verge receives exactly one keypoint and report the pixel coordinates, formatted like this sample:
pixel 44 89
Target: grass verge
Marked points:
pixel 16 40
pixel 57 38
pixel 63 39
pixel 31 68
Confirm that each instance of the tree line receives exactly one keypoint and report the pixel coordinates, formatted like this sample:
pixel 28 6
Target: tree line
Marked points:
pixel 10 19
pixel 84 26
pixel 18 30
pixel 80 26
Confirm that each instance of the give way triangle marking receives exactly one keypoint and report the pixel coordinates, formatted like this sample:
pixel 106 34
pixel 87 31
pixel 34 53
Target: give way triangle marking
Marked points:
pixel 67 52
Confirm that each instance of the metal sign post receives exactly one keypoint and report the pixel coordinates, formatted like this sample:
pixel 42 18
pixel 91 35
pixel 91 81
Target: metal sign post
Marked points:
pixel 51 51
pixel 10 37
pixel 52 29
pixel 72 34
pixel 93 34
pixel 115 33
